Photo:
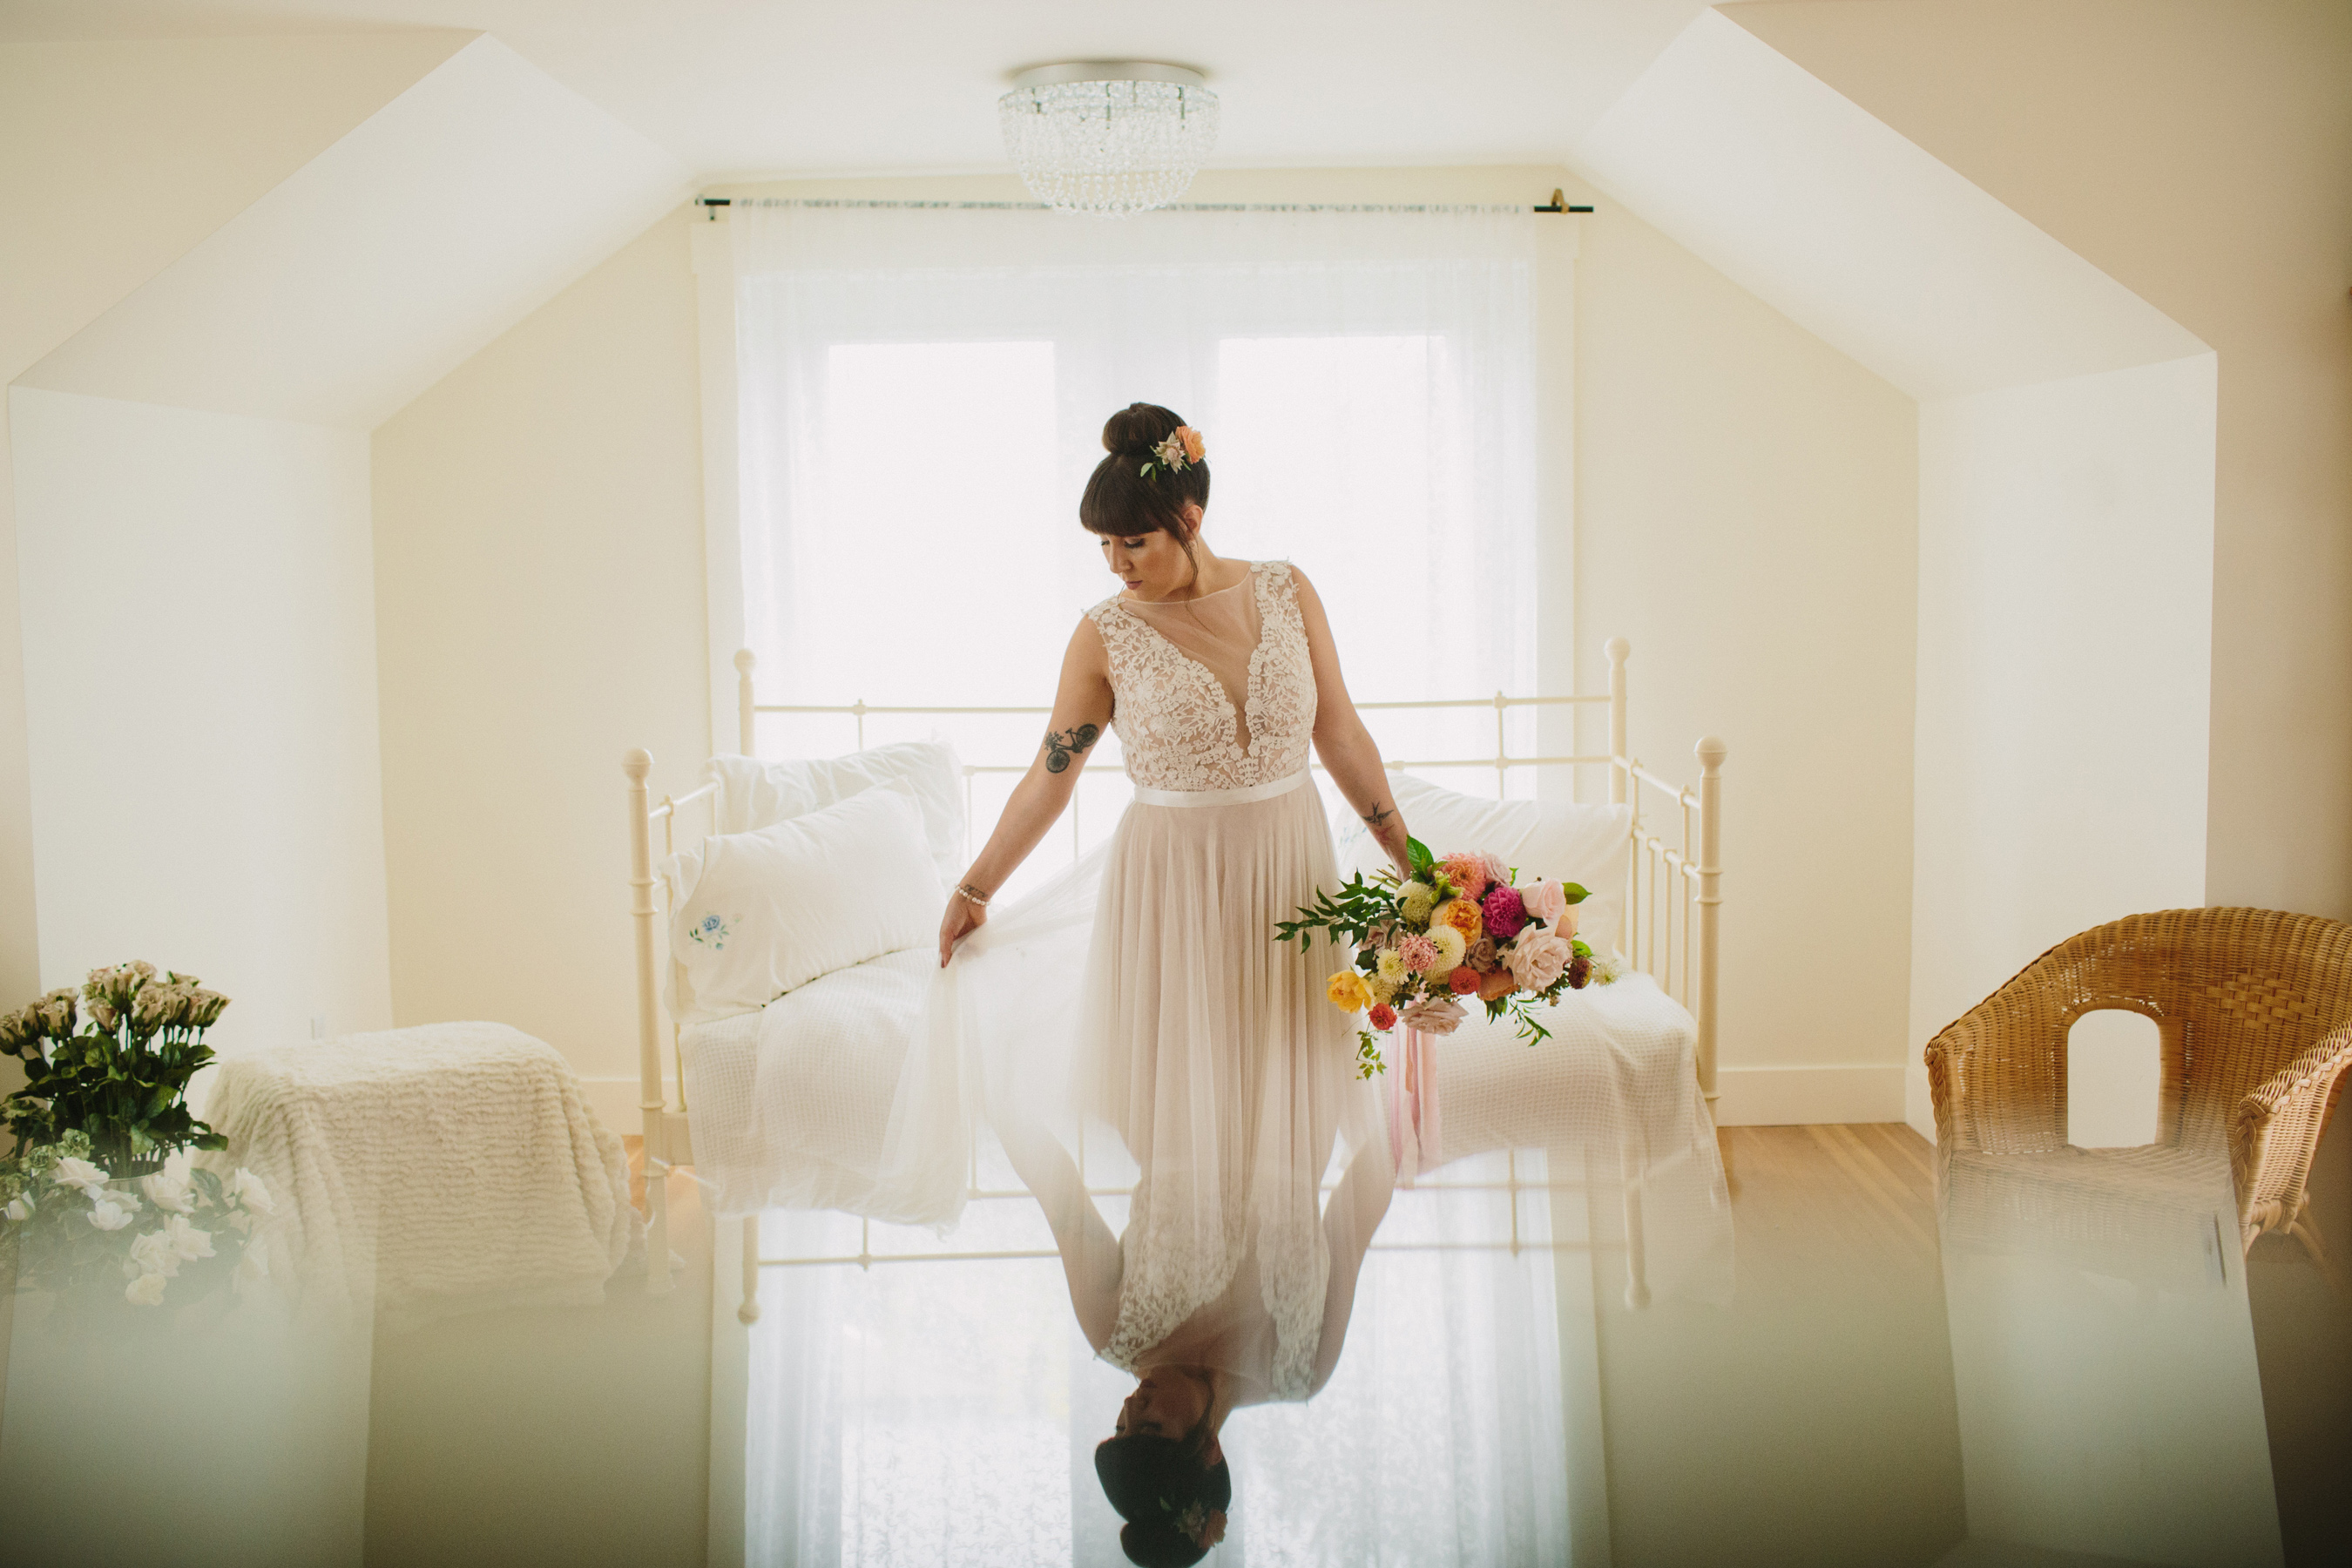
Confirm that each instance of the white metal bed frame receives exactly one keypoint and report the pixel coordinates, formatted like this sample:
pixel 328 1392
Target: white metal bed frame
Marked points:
pixel 1666 878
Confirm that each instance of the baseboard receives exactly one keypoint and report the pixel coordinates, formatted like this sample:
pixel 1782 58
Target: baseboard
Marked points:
pixel 1782 1096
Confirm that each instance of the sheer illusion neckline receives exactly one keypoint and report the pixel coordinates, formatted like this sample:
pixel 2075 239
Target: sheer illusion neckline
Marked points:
pixel 1123 597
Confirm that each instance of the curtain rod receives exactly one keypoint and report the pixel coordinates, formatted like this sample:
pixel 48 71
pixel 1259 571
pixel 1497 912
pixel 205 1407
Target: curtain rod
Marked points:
pixel 1555 205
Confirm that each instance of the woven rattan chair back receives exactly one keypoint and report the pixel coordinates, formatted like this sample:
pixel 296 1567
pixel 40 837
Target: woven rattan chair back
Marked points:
pixel 2238 997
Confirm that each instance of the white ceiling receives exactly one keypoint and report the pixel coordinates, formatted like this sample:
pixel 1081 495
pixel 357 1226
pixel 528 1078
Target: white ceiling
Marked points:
pixel 746 88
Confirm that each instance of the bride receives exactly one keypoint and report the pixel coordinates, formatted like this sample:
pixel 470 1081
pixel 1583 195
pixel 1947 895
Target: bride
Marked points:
pixel 1210 1051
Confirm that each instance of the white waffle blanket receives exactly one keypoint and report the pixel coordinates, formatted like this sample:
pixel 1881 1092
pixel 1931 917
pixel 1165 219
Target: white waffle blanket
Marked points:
pixel 447 1168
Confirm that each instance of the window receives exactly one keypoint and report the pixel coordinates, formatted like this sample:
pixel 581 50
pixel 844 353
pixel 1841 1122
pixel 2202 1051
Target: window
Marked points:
pixel 921 399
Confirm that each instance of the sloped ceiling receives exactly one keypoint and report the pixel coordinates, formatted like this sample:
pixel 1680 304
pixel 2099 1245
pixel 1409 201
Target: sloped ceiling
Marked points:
pixel 383 262
pixel 1856 233
pixel 98 202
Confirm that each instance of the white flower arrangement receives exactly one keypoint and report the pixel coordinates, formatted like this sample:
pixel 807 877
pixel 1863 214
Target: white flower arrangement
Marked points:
pixel 72 1227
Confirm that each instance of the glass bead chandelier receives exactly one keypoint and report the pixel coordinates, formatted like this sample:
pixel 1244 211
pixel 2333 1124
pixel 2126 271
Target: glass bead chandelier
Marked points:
pixel 1108 138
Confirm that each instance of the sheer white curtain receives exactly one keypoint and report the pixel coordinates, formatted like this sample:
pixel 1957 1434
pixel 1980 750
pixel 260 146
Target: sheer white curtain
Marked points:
pixel 921 393
pixel 921 396
pixel 947 1411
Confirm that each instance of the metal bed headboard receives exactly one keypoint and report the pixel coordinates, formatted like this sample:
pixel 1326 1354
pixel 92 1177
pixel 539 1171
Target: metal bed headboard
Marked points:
pixel 1673 892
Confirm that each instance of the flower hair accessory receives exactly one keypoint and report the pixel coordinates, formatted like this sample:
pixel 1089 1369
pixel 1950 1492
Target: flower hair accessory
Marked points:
pixel 1182 449
pixel 1198 1523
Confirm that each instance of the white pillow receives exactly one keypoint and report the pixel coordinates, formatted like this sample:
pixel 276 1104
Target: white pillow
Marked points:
pixel 753 794
pixel 753 915
pixel 1590 845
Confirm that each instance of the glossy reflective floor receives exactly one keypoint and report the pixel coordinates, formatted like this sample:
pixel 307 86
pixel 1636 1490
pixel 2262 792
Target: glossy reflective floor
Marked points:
pixel 2018 1386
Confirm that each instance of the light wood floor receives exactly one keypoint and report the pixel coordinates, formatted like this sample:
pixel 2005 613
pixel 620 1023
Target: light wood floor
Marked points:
pixel 1863 1194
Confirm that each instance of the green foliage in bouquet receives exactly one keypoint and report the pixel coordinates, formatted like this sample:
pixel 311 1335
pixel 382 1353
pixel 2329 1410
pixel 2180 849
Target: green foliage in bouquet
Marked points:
pixel 122 1079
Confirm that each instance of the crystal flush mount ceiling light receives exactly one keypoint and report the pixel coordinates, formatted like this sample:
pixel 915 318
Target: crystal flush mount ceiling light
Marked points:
pixel 1108 138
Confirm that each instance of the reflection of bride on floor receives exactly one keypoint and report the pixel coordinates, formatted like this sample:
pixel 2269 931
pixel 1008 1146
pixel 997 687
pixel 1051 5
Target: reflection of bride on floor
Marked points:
pixel 1211 1051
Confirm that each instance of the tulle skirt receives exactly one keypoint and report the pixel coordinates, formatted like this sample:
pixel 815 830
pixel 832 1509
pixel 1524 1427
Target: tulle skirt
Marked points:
pixel 1143 993
pixel 1212 1053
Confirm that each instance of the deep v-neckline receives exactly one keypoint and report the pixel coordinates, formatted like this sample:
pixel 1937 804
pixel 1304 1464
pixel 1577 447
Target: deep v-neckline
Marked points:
pixel 1235 717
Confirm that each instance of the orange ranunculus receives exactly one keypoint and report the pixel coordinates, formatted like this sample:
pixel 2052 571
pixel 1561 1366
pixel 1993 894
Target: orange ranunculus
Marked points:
pixel 1463 915
pixel 1463 981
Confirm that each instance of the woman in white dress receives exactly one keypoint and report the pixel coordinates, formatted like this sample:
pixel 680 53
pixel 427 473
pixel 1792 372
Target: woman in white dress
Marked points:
pixel 1209 1049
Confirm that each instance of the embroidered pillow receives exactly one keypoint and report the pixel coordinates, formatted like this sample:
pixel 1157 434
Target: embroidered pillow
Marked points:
pixel 1557 839
pixel 753 915
pixel 754 793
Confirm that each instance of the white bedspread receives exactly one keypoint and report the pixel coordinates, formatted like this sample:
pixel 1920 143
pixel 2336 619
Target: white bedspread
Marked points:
pixel 451 1167
pixel 789 1104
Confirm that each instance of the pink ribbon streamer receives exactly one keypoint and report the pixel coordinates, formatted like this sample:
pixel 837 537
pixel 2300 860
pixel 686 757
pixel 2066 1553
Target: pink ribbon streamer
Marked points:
pixel 1415 1141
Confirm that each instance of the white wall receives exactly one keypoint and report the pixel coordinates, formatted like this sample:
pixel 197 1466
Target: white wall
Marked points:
pixel 2090 120
pixel 200 668
pixel 1745 517
pixel 2065 644
pixel 539 593
pixel 116 157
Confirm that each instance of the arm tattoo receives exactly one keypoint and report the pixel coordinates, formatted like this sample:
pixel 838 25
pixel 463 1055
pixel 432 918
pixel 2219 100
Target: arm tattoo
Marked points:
pixel 1061 745
pixel 1378 816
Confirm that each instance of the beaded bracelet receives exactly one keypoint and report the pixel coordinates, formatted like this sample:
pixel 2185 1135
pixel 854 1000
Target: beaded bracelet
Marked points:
pixel 972 895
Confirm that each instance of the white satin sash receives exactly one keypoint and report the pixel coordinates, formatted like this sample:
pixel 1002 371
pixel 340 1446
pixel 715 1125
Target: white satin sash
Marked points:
pixel 1242 796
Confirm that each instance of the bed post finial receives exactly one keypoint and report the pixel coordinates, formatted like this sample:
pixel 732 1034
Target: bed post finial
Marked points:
pixel 636 761
pixel 1711 751
pixel 746 719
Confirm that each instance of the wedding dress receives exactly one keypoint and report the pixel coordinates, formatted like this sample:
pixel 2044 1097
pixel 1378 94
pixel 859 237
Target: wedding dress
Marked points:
pixel 1206 1048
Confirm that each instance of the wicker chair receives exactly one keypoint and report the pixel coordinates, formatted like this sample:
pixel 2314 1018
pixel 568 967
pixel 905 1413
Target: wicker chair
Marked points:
pixel 2253 1010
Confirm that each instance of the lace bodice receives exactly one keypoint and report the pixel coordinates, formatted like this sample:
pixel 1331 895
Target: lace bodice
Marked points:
pixel 1177 719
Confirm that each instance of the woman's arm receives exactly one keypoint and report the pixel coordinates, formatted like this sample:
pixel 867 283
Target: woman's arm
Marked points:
pixel 1082 709
pixel 1340 739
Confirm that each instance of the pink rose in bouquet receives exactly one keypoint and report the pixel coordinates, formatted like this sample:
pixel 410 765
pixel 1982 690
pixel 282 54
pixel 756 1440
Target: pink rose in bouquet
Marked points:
pixel 1506 916
pixel 1543 901
pixel 1537 959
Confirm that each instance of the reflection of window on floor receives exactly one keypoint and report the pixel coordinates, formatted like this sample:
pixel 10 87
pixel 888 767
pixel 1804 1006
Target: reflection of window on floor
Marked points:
pixel 947 1410
pixel 934 556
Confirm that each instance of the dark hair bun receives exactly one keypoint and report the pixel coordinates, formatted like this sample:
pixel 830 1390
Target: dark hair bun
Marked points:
pixel 1151 1480
pixel 1137 428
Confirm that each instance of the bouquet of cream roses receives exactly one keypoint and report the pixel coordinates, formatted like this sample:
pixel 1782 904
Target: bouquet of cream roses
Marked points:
pixel 1461 928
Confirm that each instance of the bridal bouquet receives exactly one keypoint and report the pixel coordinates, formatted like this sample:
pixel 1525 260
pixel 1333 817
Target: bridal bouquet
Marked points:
pixel 1461 928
